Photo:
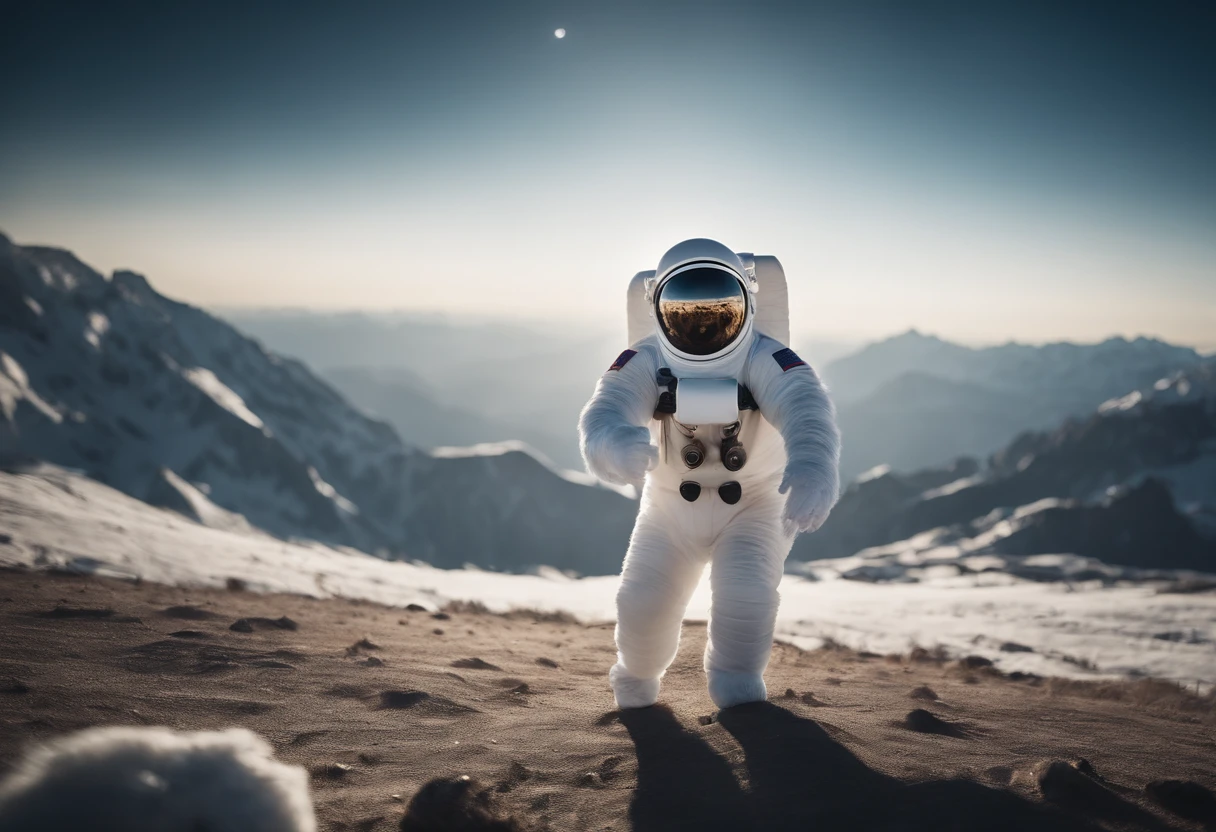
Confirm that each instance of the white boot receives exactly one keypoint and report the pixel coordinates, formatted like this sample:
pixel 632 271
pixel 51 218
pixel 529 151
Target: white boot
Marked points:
pixel 630 691
pixel 727 689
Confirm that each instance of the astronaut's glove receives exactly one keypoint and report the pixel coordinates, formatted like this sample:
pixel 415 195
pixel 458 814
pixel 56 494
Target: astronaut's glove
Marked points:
pixel 812 493
pixel 626 455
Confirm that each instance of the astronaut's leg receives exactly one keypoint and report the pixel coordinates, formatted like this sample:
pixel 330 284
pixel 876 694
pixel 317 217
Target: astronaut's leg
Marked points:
pixel 660 573
pixel 748 560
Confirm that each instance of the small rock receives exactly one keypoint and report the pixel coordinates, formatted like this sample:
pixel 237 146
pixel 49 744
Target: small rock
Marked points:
pixel 475 664
pixel 924 722
pixel 1060 780
pixel 331 771
pixel 546 662
pixel 437 631
pixel 1185 798
pixel 523 688
pixel 247 625
pixel 923 692
pixel 975 662
pixel 191 634
pixel 372 661
pixel 789 693
pixel 441 616
pixel 415 608
pixel 591 780
pixel 361 644
pixel 705 720
pixel 1014 647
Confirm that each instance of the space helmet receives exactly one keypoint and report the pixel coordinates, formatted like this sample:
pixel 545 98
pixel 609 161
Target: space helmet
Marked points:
pixel 702 299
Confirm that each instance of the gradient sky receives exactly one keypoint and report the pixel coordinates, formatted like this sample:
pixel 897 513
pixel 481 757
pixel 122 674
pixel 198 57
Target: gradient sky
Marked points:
pixel 982 171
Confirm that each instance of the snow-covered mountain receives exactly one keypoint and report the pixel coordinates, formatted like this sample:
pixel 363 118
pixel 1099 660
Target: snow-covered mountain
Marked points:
pixel 915 400
pixel 173 406
pixel 1135 484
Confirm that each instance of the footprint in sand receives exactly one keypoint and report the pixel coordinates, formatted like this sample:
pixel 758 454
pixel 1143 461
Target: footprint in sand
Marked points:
pixel 307 737
pixel 418 700
pixel 807 698
pixel 88 614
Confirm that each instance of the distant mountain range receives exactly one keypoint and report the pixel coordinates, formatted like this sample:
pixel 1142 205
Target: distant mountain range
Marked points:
pixel 175 407
pixel 915 400
pixel 910 401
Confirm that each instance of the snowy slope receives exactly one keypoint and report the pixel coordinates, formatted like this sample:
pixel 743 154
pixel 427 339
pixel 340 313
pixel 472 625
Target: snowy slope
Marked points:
pixel 1134 483
pixel 163 401
pixel 1102 621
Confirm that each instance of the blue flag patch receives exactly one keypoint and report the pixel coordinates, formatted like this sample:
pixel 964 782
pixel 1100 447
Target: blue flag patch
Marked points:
pixel 623 359
pixel 787 359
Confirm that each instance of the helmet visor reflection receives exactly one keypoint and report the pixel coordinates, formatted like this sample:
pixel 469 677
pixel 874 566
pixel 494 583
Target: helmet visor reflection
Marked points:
pixel 702 310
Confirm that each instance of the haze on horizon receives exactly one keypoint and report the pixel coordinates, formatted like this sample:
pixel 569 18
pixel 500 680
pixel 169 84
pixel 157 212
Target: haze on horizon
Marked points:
pixel 1025 171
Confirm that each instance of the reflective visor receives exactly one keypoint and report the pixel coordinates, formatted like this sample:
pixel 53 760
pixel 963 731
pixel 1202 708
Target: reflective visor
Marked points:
pixel 702 310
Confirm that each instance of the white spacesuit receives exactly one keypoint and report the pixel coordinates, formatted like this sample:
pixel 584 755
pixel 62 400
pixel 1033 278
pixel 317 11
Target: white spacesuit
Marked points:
pixel 733 441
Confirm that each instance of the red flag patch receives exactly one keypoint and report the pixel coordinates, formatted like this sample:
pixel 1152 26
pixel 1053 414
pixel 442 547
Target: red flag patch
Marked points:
pixel 623 359
pixel 787 359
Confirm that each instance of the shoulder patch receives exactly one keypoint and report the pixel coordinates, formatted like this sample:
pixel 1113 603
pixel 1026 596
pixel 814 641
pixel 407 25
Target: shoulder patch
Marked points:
pixel 623 359
pixel 787 359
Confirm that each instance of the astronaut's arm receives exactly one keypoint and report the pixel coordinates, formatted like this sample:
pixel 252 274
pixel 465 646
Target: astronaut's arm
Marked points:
pixel 793 399
pixel 612 429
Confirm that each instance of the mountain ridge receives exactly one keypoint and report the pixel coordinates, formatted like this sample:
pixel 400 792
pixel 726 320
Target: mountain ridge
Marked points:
pixel 110 377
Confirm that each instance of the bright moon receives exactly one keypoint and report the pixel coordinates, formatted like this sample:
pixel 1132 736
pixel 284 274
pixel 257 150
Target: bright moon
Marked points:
pixel 559 33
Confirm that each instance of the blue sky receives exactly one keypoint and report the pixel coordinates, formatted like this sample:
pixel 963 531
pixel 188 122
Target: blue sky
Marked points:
pixel 988 171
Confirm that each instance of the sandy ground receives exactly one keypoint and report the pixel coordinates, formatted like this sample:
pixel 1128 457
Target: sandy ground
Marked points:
pixel 376 702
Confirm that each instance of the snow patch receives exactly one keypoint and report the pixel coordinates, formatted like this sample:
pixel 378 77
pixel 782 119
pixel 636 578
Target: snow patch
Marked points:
pixel 98 326
pixel 328 491
pixel 221 394
pixel 1123 403
pixel 15 387
pixel 874 473
pixel 922 591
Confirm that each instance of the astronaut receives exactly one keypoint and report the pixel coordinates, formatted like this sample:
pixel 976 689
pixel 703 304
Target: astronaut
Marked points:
pixel 732 439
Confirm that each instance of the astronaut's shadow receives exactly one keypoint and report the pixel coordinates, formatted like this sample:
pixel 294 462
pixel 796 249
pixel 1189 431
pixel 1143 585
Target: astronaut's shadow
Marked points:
pixel 800 779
